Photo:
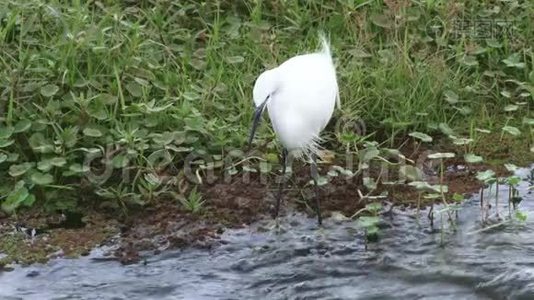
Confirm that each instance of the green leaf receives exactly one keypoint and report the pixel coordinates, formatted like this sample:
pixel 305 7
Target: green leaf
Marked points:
pixel 513 180
pixel 511 130
pixel 3 157
pixel 135 89
pixel 119 161
pixel 457 197
pixel 152 179
pixel 162 139
pixel 28 202
pixel 235 59
pixel 20 169
pixel 481 130
pixel 506 94
pixel 441 155
pixel 22 126
pixel 461 141
pixel 12 157
pixel 472 158
pixel 107 99
pixel 372 231
pixel 511 107
pixel 142 81
pixel 374 207
pixel 69 136
pixel 445 129
pixel 58 161
pixel 92 132
pixel 493 43
pixel 40 144
pixel 44 165
pixel 367 221
pixel 521 216
pixel 78 168
pixel 510 167
pixel 232 171
pixel 528 121
pixel 369 183
pixel 265 167
pixel 42 178
pixel 451 97
pixel 411 173
pixel 381 21
pixel 514 61
pixel 6 132
pixel 464 110
pixel 438 188
pixel 421 136
pixel 191 95
pixel 342 171
pixel 98 113
pixel 6 143
pixel 15 199
pixel 370 154
pixel 469 60
pixel 49 90
pixel 421 185
pixel 321 180
pixel 332 173
pixel 432 196
pixel 486 176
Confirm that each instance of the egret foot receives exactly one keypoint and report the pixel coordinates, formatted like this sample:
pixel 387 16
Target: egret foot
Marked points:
pixel 321 231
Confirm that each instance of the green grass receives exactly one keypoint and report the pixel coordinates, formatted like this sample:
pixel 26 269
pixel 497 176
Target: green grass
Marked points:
pixel 150 81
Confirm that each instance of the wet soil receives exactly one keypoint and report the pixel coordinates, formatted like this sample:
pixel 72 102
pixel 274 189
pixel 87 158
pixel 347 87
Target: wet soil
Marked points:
pixel 237 203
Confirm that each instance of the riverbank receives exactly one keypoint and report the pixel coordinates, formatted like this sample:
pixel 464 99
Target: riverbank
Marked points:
pixel 166 225
pixel 119 120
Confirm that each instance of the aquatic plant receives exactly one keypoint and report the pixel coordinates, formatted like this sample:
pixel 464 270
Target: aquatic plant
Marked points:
pixel 194 202
pixel 98 97
pixel 487 178
pixel 370 223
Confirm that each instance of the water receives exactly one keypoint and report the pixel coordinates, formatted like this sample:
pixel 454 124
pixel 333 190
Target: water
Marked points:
pixel 306 263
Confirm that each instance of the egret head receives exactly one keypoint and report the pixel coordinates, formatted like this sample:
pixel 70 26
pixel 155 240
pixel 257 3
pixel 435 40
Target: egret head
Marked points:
pixel 264 88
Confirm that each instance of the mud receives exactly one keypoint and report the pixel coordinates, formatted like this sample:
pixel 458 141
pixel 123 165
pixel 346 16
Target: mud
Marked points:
pixel 238 203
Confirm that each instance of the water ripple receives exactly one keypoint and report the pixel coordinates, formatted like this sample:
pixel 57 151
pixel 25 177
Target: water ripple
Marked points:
pixel 409 262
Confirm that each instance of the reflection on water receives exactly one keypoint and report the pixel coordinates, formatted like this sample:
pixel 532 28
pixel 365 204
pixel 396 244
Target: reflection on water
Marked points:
pixel 306 263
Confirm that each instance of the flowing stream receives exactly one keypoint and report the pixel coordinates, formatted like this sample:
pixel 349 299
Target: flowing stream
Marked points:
pixel 303 262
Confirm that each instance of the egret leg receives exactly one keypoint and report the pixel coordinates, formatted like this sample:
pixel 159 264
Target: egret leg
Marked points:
pixel 315 176
pixel 281 184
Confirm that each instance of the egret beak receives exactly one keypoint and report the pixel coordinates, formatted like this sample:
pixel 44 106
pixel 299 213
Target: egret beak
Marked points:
pixel 256 122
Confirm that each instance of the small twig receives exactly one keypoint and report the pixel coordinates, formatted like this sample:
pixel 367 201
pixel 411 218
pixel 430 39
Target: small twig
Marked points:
pixel 358 212
pixel 244 160
pixel 489 227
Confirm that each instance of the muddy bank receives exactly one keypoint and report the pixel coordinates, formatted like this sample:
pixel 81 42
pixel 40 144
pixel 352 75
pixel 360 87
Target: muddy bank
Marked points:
pixel 238 203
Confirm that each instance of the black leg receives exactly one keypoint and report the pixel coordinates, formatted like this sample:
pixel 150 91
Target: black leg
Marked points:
pixel 281 183
pixel 315 175
pixel 431 214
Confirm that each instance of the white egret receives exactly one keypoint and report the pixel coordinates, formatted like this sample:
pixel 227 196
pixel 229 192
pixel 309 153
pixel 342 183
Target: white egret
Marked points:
pixel 300 96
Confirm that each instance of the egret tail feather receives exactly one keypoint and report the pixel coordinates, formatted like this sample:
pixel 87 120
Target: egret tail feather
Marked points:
pixel 325 48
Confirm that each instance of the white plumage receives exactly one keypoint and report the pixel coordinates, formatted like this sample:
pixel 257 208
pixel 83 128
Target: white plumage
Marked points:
pixel 302 94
